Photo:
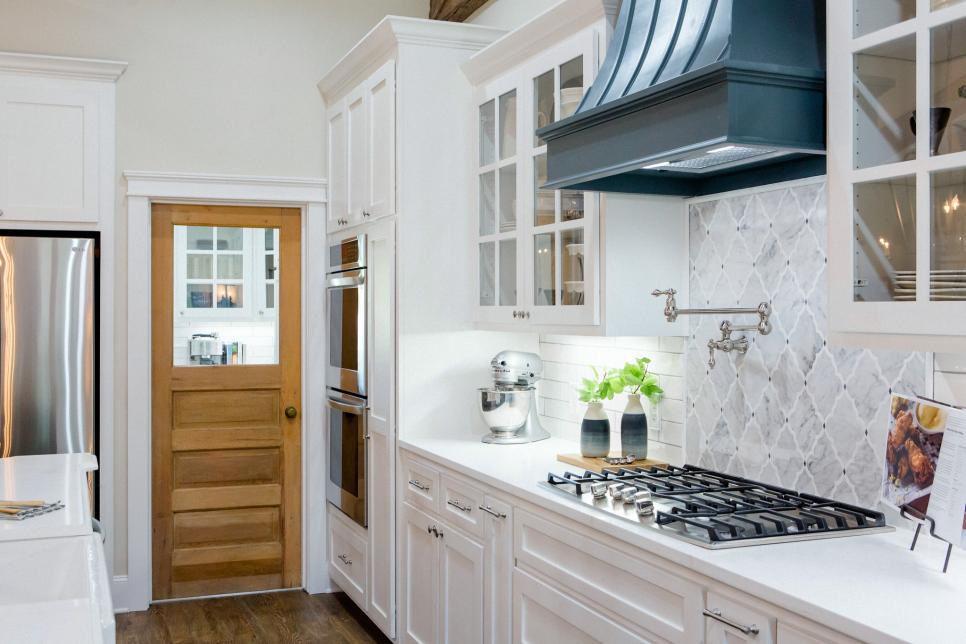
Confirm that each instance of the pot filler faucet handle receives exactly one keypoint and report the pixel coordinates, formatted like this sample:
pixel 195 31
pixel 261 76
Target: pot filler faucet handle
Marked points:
pixel 671 306
pixel 726 344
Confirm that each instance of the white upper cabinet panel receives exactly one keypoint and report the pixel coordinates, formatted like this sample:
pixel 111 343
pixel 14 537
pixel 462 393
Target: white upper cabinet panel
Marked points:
pixel 49 150
pixel 381 149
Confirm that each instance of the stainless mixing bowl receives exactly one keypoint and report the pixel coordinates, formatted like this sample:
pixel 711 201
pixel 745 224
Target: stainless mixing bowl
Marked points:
pixel 505 410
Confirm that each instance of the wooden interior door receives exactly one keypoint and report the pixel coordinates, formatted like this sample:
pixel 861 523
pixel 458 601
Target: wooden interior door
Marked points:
pixel 226 456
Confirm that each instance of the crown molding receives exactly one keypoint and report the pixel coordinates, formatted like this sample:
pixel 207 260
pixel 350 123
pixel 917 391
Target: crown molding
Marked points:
pixel 549 27
pixel 61 66
pixel 224 187
pixel 377 45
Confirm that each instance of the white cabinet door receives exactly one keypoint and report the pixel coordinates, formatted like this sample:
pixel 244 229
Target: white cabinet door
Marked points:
pixel 381 135
pixel 498 573
pixel 420 592
pixel 50 138
pixel 381 492
pixel 356 146
pixel 338 160
pixel 461 588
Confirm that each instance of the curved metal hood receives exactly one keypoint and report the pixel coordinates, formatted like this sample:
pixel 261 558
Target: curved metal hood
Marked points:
pixel 697 97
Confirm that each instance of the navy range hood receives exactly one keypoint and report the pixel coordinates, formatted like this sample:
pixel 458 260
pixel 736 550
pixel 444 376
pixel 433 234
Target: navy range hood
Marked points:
pixel 697 97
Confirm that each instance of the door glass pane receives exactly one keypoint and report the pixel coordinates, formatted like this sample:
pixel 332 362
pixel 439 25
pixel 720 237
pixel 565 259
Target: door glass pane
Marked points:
pixel 230 238
pixel 508 272
pixel 229 296
pixel 572 267
pixel 271 270
pixel 543 103
pixel 199 266
pixel 217 271
pixel 199 296
pixel 885 240
pixel 884 87
pixel 488 203
pixel 571 86
pixel 947 277
pixel 230 266
pixel 544 278
pixel 508 125
pixel 947 114
pixel 871 15
pixel 487 274
pixel 543 200
pixel 508 198
pixel 487 133
pixel 571 205
pixel 200 237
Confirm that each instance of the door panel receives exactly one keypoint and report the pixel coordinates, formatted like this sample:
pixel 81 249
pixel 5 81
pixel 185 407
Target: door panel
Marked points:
pixel 421 592
pixel 380 89
pixel 356 147
pixel 338 177
pixel 461 589
pixel 226 460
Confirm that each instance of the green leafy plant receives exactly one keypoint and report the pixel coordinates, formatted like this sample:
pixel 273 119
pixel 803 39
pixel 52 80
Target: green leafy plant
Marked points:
pixel 637 380
pixel 605 385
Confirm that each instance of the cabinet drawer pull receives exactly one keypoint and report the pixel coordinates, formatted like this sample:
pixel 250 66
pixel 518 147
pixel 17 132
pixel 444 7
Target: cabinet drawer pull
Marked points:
pixel 456 503
pixel 345 560
pixel 419 485
pixel 491 511
pixel 715 614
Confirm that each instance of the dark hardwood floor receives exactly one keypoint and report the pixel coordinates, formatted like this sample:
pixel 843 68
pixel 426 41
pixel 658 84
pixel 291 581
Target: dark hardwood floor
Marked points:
pixel 292 616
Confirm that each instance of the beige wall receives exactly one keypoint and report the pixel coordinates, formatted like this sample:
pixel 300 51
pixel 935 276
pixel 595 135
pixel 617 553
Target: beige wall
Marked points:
pixel 217 86
pixel 509 14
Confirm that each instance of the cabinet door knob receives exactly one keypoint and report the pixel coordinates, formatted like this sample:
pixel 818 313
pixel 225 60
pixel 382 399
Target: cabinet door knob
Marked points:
pixel 345 560
pixel 528 315
pixel 516 314
pixel 365 213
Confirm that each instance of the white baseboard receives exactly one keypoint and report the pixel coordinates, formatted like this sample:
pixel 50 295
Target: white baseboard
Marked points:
pixel 119 594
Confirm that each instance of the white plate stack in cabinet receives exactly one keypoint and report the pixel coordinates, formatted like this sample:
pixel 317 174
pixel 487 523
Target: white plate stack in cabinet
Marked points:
pixel 564 261
pixel 897 258
pixel 397 134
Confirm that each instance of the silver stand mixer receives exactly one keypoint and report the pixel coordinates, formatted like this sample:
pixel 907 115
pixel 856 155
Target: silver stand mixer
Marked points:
pixel 509 407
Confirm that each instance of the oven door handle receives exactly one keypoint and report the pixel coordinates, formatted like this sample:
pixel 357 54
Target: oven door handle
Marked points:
pixel 349 279
pixel 347 407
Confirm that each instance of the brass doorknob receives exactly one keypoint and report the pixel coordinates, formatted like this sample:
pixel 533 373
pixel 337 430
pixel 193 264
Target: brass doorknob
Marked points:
pixel 291 412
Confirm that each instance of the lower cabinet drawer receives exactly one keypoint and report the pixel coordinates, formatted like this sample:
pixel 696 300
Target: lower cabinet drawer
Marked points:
pixel 542 614
pixel 460 505
pixel 420 484
pixel 646 594
pixel 727 619
pixel 347 559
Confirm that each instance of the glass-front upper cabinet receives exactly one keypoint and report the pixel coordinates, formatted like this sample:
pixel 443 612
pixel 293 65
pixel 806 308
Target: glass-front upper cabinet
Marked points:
pixel 536 248
pixel 897 167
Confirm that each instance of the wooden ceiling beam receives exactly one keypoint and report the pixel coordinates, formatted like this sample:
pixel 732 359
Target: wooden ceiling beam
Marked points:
pixel 453 10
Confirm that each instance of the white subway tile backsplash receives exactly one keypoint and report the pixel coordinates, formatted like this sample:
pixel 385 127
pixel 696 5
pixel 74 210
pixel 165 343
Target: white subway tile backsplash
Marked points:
pixel 568 359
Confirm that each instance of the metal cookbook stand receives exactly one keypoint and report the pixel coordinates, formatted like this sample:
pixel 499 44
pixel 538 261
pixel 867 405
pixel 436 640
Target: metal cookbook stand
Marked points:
pixel 906 511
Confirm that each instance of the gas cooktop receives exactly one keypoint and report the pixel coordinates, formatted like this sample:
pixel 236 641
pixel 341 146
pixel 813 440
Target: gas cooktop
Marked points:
pixel 714 510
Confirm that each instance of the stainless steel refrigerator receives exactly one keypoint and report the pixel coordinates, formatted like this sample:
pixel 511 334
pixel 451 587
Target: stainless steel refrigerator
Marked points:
pixel 48 327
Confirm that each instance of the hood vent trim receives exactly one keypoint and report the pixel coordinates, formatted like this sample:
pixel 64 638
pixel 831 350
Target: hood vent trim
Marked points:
pixel 692 90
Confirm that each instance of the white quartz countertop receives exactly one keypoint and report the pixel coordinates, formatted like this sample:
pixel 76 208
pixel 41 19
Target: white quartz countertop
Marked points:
pixel 870 587
pixel 50 477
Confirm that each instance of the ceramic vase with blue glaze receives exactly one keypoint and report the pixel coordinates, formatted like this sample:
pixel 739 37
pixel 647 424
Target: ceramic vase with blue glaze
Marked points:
pixel 634 428
pixel 595 432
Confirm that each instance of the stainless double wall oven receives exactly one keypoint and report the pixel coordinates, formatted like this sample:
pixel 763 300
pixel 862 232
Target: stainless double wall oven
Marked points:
pixel 347 329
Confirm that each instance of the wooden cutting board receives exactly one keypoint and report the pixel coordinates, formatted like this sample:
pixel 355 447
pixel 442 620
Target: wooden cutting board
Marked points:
pixel 599 464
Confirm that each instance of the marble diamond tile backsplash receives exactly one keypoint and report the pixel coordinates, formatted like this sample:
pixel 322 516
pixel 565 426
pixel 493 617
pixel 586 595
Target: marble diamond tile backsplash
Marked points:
pixel 794 410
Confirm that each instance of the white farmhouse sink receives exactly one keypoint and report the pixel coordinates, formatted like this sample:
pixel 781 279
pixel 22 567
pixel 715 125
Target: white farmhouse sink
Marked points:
pixel 55 590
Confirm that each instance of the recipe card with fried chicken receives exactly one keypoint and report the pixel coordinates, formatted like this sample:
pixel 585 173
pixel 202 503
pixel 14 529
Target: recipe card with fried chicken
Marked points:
pixel 947 505
pixel 915 437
